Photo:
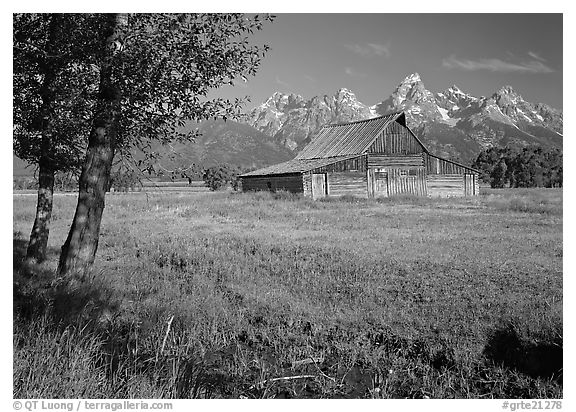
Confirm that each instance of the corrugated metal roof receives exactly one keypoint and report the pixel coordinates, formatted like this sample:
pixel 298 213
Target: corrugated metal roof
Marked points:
pixel 296 166
pixel 346 139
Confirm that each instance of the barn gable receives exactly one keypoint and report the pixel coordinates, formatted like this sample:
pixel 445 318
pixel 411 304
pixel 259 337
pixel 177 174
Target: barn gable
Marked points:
pixel 388 132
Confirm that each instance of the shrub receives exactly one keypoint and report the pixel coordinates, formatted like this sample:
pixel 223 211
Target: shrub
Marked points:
pixel 217 177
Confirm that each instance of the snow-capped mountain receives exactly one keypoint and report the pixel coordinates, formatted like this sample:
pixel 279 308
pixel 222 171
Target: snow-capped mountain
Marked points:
pixel 291 119
pixel 451 123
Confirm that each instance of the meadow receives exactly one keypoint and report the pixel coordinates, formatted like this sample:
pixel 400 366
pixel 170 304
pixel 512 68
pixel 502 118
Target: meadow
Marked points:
pixel 261 295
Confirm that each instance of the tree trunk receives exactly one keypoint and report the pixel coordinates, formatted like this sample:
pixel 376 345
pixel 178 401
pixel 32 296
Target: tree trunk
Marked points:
pixel 36 252
pixel 79 250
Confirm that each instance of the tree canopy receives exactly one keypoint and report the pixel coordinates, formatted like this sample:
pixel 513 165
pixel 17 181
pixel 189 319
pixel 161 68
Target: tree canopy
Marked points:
pixel 154 74
pixel 511 166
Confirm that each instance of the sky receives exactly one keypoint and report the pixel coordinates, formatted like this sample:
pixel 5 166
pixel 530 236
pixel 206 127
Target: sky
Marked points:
pixel 315 54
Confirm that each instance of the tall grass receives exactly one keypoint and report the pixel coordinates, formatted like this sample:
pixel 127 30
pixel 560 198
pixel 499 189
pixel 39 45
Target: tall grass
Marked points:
pixel 273 295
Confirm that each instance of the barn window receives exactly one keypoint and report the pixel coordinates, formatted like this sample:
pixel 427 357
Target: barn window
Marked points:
pixel 403 172
pixel 413 172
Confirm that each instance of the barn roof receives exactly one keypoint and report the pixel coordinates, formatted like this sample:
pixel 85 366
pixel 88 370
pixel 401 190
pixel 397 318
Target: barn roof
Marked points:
pixel 296 166
pixel 347 138
pixel 336 142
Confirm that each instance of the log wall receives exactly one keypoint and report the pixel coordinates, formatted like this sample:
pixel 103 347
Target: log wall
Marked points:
pixel 445 185
pixel 291 183
pixel 407 161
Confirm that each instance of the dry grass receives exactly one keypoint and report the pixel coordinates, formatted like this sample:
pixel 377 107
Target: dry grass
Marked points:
pixel 400 298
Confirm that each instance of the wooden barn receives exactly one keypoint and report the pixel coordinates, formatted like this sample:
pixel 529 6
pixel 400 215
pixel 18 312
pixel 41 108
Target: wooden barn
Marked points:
pixel 372 158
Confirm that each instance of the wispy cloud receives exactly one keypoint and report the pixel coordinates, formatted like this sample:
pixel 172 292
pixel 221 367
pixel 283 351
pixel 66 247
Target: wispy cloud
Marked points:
pixel 353 72
pixel 282 83
pixel 310 78
pixel 536 56
pixel 370 49
pixel 497 65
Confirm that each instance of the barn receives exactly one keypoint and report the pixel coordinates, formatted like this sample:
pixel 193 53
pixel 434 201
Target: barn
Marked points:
pixel 373 158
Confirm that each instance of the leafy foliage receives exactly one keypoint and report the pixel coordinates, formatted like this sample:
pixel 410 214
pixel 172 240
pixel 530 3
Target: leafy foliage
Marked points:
pixel 169 64
pixel 54 87
pixel 217 177
pixel 531 166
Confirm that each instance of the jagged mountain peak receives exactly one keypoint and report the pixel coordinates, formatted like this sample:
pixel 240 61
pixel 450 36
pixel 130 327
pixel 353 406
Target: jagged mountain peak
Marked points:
pixel 455 90
pixel 344 90
pixel 506 89
pixel 291 121
pixel 508 95
pixel 412 78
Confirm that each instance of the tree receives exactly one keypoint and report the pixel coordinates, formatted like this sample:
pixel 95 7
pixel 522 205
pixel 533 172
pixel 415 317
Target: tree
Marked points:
pixel 155 73
pixel 52 102
pixel 217 177
pixel 530 166
pixel 498 175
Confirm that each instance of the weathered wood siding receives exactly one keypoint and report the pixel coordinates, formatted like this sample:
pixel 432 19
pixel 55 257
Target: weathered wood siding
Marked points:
pixel 356 164
pixel 407 182
pixel 448 179
pixel 291 183
pixel 319 185
pixel 476 184
pixel 391 175
pixel 437 166
pixel 347 183
pixel 445 185
pixel 307 184
pixel 396 139
pixel 388 161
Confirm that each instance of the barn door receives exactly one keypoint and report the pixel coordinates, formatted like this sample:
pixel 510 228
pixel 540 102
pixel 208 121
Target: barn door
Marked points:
pixel 407 182
pixel 468 185
pixel 380 183
pixel 319 186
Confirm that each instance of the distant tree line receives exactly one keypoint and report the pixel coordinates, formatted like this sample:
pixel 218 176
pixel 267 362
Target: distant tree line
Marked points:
pixel 510 166
pixel 63 182
pixel 124 179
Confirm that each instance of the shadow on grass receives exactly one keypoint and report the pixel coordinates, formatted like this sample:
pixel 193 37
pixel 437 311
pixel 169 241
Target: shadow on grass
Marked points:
pixel 535 358
pixel 37 290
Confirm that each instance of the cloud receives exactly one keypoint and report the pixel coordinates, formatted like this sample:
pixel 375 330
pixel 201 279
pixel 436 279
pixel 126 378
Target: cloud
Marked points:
pixel 370 49
pixel 536 56
pixel 497 65
pixel 353 73
pixel 310 78
pixel 282 83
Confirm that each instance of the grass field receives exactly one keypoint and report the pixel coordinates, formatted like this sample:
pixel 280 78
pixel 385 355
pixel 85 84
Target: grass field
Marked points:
pixel 272 295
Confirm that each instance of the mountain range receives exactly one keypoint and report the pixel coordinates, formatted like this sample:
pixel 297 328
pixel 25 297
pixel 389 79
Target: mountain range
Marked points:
pixel 451 123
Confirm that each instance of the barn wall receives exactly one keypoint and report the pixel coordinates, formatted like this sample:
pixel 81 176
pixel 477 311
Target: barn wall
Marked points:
pixel 437 166
pixel 396 139
pixel 307 184
pixel 448 179
pixel 406 161
pixel 291 183
pixel 445 185
pixel 347 183
pixel 356 164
